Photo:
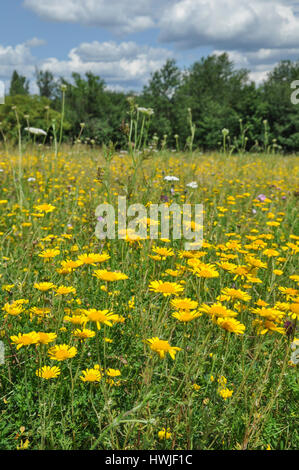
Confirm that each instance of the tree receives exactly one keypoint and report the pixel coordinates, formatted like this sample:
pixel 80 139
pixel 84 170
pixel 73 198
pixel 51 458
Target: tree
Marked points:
pixel 46 83
pixel 18 85
pixel 159 95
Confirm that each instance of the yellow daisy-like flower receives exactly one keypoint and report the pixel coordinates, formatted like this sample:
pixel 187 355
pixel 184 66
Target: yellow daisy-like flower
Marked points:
pixel 184 304
pixel 25 339
pixel 68 266
pixel 93 258
pixel 64 290
pixel 186 315
pixel 46 338
pixel 113 372
pixel 289 292
pixel 166 288
pixel 270 252
pixel 13 309
pixel 255 262
pixel 205 270
pixel 109 276
pixel 100 316
pixel 162 347
pixel 217 310
pixel 265 326
pixel 44 286
pixel 163 252
pixel 62 352
pixel 48 372
pixel 232 294
pixel 48 254
pixel 294 311
pixel 269 313
pixel 85 333
pixel 45 208
pixel 232 325
pixel 164 434
pixel 75 319
pixel 91 375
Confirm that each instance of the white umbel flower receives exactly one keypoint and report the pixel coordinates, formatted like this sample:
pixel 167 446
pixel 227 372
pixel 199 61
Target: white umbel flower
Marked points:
pixel 35 130
pixel 171 178
pixel 192 185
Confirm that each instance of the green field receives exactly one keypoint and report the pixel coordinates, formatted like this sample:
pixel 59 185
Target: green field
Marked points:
pixel 203 359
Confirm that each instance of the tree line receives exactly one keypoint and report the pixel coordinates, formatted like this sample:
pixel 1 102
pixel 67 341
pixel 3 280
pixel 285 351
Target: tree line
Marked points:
pixel 204 104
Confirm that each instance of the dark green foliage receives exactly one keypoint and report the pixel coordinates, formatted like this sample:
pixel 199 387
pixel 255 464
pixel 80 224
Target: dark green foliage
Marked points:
pixel 218 95
pixel 18 85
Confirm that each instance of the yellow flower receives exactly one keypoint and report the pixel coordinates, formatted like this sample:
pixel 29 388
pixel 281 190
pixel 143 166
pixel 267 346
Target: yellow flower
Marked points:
pixel 165 288
pixel 64 290
pixel 91 375
pixel 186 315
pixel 48 372
pixel 232 294
pixel 264 326
pixel 8 287
pixel 217 310
pixel 205 271
pixel 100 316
pixel 45 338
pixel 51 253
pixel 13 309
pixel 45 208
pixel 232 325
pixel 269 313
pixel 109 276
pixel 113 372
pixel 164 434
pixel 270 252
pixel 184 304
pixel 162 347
pixel 294 308
pixel 93 258
pixel 44 286
pixel 196 387
pixel 84 333
pixel 163 252
pixel 62 352
pixel 225 393
pixel 23 445
pixel 25 339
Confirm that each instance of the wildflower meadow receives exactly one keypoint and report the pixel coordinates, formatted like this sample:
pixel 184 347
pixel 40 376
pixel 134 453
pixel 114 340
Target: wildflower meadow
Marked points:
pixel 136 343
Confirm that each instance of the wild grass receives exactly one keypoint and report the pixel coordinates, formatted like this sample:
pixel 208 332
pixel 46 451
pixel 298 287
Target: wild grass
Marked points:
pixel 183 395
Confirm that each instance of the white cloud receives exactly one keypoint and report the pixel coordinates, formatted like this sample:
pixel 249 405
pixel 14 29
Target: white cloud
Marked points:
pixel 121 16
pixel 16 58
pixel 260 62
pixel 227 23
pixel 125 64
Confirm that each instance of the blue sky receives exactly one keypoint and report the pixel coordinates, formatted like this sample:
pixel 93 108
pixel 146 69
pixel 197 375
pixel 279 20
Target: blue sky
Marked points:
pixel 124 41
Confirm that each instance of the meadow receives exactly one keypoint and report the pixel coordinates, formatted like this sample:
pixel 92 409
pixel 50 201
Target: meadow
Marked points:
pixel 139 344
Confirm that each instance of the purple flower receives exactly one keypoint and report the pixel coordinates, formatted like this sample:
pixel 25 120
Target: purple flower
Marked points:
pixel 261 197
pixel 100 219
pixel 164 198
pixel 289 327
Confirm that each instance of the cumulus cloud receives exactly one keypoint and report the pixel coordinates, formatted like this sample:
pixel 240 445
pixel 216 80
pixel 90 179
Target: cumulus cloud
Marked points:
pixel 126 64
pixel 260 62
pixel 225 23
pixel 17 58
pixel 121 16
